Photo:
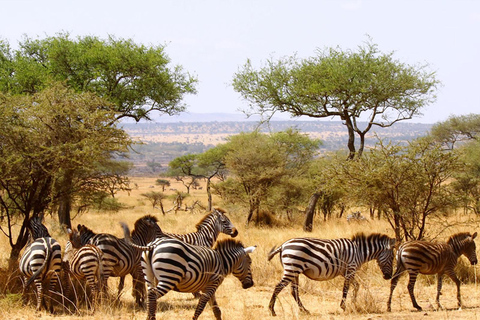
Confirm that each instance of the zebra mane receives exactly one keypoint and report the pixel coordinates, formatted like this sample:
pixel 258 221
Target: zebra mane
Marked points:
pixel 148 217
pixel 227 243
pixel 201 223
pixel 360 236
pixel 85 233
pixel 458 237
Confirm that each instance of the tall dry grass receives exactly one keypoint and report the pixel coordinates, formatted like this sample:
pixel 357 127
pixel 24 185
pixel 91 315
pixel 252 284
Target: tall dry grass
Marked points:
pixel 322 299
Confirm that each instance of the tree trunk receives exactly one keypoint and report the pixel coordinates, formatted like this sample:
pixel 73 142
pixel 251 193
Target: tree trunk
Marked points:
pixel 209 195
pixel 310 212
pixel 64 209
pixel 362 144
pixel 351 136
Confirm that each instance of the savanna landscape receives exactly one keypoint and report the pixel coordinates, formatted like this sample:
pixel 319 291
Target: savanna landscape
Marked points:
pixel 322 299
pixel 67 157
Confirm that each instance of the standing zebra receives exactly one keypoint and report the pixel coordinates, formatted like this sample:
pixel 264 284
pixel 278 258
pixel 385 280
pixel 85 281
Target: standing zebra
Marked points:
pixel 119 259
pixel 41 262
pixel 320 259
pixel 176 265
pixel 84 263
pixel 427 257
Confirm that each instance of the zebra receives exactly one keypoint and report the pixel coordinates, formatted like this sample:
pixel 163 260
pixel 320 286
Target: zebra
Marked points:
pixel 84 263
pixel 427 257
pixel 119 259
pixel 41 262
pixel 321 259
pixel 169 263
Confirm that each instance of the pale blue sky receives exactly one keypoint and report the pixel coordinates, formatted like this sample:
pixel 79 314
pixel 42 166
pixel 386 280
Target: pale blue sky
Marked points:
pixel 211 39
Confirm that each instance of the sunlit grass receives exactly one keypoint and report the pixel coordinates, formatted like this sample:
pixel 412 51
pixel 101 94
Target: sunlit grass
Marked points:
pixel 322 299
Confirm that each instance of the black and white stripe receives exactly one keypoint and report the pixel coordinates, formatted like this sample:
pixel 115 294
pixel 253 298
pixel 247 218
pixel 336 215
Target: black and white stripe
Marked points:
pixel 41 262
pixel 208 229
pixel 321 259
pixel 119 259
pixel 427 257
pixel 84 263
pixel 173 264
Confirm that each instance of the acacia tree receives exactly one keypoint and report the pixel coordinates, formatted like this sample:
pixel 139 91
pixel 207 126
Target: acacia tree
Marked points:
pixel 134 80
pixel 42 137
pixel 258 164
pixel 409 182
pixel 363 85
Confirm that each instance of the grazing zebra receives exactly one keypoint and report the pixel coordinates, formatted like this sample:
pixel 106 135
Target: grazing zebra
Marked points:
pixel 320 259
pixel 119 259
pixel 84 263
pixel 208 229
pixel 41 262
pixel 427 257
pixel 175 265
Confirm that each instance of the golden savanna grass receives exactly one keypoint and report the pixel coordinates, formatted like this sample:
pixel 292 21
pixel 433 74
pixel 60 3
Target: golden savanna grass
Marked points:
pixel 322 299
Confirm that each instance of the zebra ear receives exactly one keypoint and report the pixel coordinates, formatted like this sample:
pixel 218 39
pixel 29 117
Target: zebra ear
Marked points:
pixel 250 249
pixel 474 235
pixel 392 243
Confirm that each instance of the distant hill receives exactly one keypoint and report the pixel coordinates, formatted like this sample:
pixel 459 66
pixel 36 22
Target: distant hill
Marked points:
pixel 165 141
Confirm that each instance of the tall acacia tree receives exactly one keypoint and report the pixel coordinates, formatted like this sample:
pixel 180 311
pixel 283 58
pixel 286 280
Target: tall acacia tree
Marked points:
pixel 44 135
pixel 134 80
pixel 363 88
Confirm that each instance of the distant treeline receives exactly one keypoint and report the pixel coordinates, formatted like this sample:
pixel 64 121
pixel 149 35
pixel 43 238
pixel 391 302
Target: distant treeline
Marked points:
pixel 153 157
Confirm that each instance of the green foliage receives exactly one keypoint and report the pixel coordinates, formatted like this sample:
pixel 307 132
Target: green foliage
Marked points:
pixel 457 129
pixel 154 197
pixel 134 78
pixel 51 137
pixel 407 182
pixel 335 83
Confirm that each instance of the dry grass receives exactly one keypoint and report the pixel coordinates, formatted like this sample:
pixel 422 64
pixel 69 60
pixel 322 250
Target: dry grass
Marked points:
pixel 322 299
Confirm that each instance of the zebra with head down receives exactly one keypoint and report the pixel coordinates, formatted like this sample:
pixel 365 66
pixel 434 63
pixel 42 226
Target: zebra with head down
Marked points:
pixel 41 262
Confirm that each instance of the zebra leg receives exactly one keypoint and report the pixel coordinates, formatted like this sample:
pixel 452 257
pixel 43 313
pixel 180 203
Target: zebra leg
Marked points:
pixel 279 287
pixel 153 295
pixel 346 285
pixel 439 290
pixel 216 309
pixel 411 287
pixel 356 286
pixel 40 299
pixel 208 295
pixel 296 295
pixel 453 276
pixel 24 292
pixel 393 284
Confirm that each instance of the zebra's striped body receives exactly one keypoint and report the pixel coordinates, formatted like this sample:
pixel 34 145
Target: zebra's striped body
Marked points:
pixel 85 263
pixel 41 262
pixel 119 259
pixel 321 259
pixel 171 264
pixel 432 258
pixel 208 229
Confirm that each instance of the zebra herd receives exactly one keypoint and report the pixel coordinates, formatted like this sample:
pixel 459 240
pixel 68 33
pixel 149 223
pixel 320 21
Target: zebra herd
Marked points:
pixel 198 263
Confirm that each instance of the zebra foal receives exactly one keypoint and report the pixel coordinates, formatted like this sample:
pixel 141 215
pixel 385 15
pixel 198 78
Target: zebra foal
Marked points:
pixel 171 264
pixel 427 257
pixel 41 262
pixel 119 259
pixel 84 263
pixel 321 259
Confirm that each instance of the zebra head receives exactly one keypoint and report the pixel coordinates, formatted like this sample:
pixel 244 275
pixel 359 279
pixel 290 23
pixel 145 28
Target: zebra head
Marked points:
pixel 146 229
pixel 223 223
pixel 85 234
pixel 381 247
pixel 237 260
pixel 36 228
pixel 463 243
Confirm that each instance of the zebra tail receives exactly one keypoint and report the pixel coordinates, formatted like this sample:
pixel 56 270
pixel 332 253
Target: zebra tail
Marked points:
pixel 44 264
pixel 128 238
pixel 273 252
pixel 100 273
